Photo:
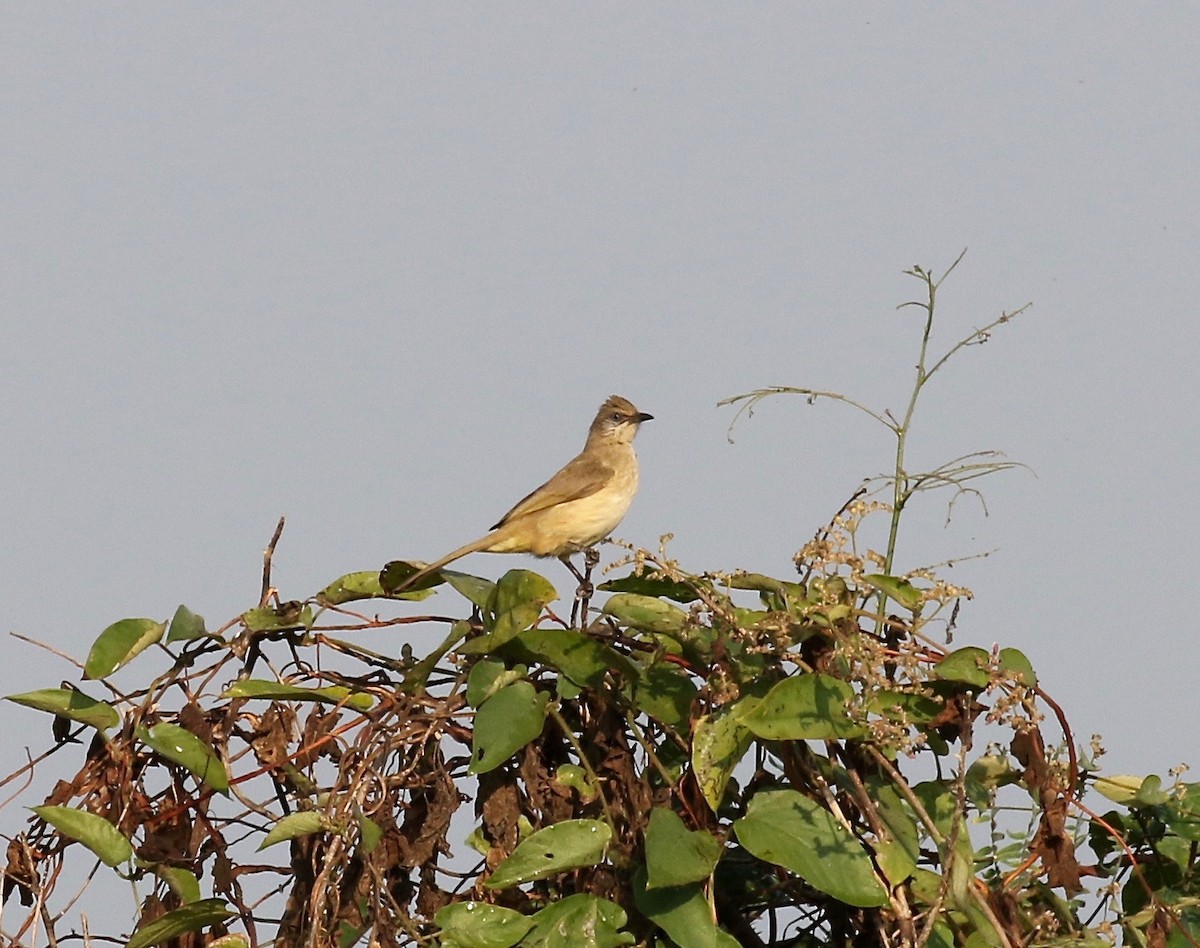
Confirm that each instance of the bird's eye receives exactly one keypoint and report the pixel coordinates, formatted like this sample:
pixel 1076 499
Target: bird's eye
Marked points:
pixel 615 417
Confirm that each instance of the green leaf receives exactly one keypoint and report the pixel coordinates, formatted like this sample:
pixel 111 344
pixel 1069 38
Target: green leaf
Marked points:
pixel 676 855
pixel 1014 663
pixel 895 588
pixel 570 844
pixel 913 707
pixel 719 741
pixel 277 691
pixel 1120 788
pixel 900 820
pixel 575 777
pixel 515 605
pixel 1150 793
pixel 295 825
pixel 95 832
pixel 119 644
pixel 581 658
pixel 828 590
pixel 70 703
pixel 229 941
pixel 804 707
pixel 943 937
pixel 645 613
pixel 790 830
pixel 577 920
pixel 481 925
pixel 1182 813
pixel 505 723
pixel 665 692
pixel 417 677
pixel 656 588
pixel 475 589
pixel 182 882
pixel 775 592
pixel 185 625
pixel 968 665
pixel 682 912
pixel 927 887
pixel 351 587
pixel 369 832
pixel 940 801
pixel 285 617
pixel 190 918
pixel 396 573
pixel 185 748
pixel 894 860
pixel 489 676
pixel 985 775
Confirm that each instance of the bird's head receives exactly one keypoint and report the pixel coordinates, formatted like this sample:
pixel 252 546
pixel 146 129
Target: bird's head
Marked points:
pixel 617 421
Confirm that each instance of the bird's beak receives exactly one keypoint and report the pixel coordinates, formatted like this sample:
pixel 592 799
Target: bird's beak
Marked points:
pixel 642 416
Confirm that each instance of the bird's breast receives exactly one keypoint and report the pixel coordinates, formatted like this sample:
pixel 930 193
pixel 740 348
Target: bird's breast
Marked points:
pixel 574 525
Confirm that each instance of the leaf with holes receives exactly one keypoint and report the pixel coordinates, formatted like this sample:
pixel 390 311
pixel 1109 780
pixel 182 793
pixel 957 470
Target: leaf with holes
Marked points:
pixel 505 723
pixel 719 741
pixel 579 919
pixel 481 925
pixel 571 844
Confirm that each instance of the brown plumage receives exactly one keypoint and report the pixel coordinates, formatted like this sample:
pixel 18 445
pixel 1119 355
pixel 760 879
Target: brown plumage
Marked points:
pixel 579 506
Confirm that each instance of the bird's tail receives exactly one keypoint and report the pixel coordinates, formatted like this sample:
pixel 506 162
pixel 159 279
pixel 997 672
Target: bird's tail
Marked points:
pixel 473 547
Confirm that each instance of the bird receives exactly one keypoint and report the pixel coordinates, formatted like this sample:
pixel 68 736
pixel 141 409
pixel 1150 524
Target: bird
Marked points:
pixel 578 507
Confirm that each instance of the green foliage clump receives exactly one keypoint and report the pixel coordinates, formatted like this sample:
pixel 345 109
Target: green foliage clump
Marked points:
pixel 705 759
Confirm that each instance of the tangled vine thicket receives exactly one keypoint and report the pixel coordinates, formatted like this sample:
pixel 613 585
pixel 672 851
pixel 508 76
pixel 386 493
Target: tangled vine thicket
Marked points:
pixel 702 759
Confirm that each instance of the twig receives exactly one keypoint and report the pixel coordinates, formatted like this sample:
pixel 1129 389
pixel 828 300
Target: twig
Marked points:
pixel 267 554
pixel 810 395
pixel 49 648
pixel 587 765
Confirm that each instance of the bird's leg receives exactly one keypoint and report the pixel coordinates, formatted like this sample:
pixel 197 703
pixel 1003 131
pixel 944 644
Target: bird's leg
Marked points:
pixel 565 559
pixel 583 593
pixel 591 559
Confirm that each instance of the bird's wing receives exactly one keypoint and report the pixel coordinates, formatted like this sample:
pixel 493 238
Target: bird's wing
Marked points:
pixel 581 477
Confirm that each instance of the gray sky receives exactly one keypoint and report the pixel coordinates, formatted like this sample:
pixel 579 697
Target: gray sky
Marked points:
pixel 374 267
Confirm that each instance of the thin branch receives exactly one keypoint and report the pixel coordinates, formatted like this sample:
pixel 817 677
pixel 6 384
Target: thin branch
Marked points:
pixel 266 571
pixel 811 395
pixel 978 337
